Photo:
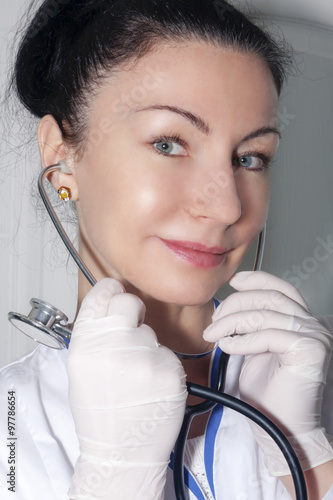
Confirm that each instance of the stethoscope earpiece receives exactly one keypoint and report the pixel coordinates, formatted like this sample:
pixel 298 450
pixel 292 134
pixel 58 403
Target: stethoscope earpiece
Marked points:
pixel 44 324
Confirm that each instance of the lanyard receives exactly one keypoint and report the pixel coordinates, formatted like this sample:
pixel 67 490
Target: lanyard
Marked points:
pixel 210 438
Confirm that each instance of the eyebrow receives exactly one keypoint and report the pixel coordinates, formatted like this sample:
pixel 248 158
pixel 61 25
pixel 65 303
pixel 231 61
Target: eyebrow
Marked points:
pixel 201 125
pixel 260 132
pixel 194 119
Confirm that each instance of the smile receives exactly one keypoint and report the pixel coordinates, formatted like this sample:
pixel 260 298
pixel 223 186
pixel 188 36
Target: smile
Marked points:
pixel 197 254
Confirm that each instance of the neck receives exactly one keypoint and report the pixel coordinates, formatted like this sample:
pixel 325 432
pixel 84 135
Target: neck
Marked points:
pixel 177 327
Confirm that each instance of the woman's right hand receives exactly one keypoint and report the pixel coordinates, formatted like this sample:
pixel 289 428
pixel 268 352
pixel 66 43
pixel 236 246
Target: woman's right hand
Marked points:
pixel 127 396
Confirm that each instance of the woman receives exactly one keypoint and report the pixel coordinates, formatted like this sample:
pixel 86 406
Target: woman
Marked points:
pixel 165 117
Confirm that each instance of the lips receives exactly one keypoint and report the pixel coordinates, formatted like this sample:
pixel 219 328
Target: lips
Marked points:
pixel 197 254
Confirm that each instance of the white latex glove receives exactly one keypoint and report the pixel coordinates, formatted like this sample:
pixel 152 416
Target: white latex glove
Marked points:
pixel 287 353
pixel 127 396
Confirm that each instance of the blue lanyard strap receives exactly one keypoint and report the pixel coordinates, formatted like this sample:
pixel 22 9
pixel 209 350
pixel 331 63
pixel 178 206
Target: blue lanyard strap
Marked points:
pixel 181 473
pixel 210 438
pixel 189 480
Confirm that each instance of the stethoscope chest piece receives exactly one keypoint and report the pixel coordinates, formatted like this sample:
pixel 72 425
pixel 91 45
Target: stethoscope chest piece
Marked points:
pixel 44 324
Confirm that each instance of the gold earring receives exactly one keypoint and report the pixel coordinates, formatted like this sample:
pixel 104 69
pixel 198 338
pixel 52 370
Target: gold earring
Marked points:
pixel 64 193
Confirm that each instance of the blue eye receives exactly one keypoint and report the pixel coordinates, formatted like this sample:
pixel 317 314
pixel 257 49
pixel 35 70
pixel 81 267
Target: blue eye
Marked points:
pixel 249 162
pixel 253 161
pixel 170 146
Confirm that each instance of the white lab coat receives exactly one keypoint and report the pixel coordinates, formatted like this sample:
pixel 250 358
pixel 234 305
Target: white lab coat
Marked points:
pixel 47 447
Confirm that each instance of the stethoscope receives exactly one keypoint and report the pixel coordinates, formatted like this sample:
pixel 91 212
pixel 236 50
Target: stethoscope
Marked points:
pixel 49 326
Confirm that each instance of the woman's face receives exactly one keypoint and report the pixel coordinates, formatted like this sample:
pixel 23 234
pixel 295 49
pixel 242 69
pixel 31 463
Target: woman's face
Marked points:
pixel 173 184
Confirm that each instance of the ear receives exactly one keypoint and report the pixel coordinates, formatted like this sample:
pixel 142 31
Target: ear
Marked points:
pixel 53 149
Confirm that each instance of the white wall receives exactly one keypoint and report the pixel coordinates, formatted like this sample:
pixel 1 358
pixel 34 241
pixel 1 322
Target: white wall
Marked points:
pixel 31 265
pixel 300 220
pixel 300 226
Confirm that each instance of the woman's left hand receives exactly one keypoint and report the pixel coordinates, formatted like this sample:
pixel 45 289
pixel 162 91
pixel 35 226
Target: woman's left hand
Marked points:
pixel 287 352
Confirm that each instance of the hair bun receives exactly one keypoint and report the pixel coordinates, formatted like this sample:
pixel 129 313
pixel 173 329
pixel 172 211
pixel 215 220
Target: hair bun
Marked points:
pixel 42 54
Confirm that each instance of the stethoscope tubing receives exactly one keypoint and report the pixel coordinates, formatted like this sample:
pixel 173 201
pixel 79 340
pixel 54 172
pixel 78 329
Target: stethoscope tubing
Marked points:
pixel 211 396
pixel 265 423
pixel 190 412
pixel 57 224
pixel 217 396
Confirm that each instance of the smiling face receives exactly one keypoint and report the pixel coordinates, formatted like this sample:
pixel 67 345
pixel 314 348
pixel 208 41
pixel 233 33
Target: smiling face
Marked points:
pixel 173 185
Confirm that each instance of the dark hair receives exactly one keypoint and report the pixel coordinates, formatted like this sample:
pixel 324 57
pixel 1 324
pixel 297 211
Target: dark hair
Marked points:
pixel 71 44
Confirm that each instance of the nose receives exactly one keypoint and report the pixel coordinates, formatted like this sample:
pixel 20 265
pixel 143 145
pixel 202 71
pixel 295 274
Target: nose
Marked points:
pixel 215 196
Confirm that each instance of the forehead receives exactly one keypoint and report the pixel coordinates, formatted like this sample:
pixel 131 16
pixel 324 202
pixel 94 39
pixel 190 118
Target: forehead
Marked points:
pixel 221 84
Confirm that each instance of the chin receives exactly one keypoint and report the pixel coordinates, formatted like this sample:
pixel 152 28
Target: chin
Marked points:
pixel 178 292
pixel 179 284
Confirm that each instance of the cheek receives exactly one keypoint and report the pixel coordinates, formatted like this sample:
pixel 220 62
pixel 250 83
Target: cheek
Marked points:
pixel 120 207
pixel 254 193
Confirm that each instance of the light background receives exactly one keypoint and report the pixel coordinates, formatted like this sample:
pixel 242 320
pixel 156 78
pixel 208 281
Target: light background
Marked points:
pixel 300 227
